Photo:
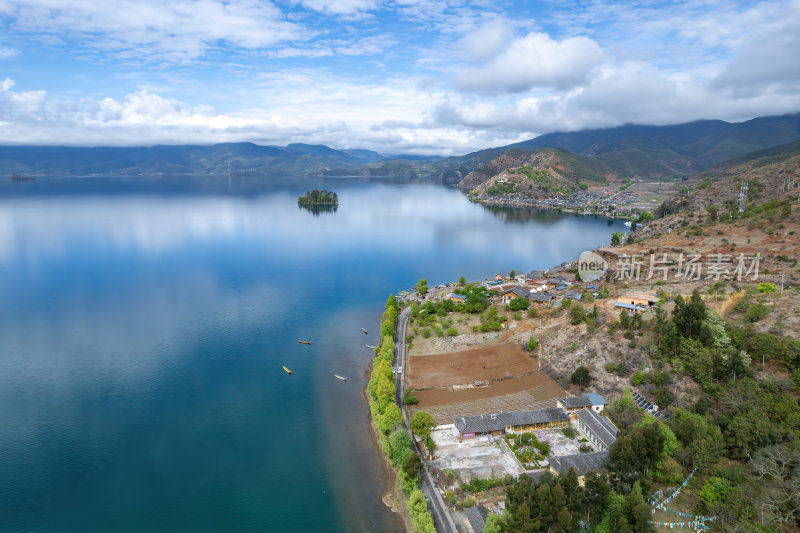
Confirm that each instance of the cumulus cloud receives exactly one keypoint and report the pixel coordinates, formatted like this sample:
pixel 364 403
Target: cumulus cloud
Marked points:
pixel 535 60
pixel 171 29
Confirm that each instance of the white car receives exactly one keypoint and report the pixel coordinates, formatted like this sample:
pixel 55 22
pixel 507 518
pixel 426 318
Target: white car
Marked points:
pixel 399 369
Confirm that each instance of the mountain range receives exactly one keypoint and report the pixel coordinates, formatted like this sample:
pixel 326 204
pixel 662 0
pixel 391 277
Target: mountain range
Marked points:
pixel 597 155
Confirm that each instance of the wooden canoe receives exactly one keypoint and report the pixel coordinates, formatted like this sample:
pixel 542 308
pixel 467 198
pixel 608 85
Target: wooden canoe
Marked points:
pixel 304 342
pixel 287 370
pixel 365 331
pixel 337 376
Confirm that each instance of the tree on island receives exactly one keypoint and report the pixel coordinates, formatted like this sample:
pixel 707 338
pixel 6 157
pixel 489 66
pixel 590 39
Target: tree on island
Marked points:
pixel 462 281
pixel 318 197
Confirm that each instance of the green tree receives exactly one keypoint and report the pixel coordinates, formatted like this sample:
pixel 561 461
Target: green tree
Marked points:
pixel 422 286
pixel 765 287
pixel 531 343
pixel 576 314
pixel 462 281
pixel 582 376
pixel 421 423
pixel 391 418
pixel 494 523
pixel 616 238
pixel 714 491
pixel 520 304
pixel 512 274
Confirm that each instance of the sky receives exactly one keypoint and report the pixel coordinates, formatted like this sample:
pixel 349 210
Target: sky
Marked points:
pixel 437 77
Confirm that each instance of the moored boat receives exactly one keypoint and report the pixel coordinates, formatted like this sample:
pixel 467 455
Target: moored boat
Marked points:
pixel 287 370
pixel 304 342
pixel 365 331
pixel 337 376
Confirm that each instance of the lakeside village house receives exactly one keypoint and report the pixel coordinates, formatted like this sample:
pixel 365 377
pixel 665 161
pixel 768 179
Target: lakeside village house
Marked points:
pixel 583 410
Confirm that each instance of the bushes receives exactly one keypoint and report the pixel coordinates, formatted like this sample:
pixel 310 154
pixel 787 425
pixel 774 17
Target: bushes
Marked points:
pixel 532 343
pixel 582 376
pixel 567 431
pixel 756 312
pixel 638 378
pixel 418 509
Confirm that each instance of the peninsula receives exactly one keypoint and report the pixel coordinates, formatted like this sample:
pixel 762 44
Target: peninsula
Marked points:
pixel 659 393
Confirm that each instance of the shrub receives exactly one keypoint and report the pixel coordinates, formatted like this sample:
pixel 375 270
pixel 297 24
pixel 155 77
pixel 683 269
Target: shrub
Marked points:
pixel 452 332
pixel 767 287
pixel 532 312
pixel 409 398
pixel 638 378
pixel 469 501
pixel 532 343
pixel 582 376
pixel 756 312
pixel 567 431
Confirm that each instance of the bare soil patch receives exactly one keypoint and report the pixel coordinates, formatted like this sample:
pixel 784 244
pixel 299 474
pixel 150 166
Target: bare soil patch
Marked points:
pixel 464 367
pixel 538 385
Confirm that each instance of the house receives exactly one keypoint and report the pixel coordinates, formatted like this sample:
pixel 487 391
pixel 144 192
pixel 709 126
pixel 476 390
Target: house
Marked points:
pixel 567 276
pixel 641 299
pixel 540 298
pixel 598 402
pixel 629 307
pixel 597 428
pixel 457 297
pixel 561 287
pixel 572 295
pixel 593 287
pixel 501 276
pixel 589 400
pixel 580 462
pixel 476 518
pixel 514 292
pixel 535 276
pixel 511 422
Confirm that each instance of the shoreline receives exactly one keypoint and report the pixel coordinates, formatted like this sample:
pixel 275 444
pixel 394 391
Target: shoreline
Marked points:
pixel 392 495
pixel 538 205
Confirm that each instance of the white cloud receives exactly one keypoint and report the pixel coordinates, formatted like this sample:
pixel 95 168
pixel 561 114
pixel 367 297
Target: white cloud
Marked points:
pixel 171 29
pixel 340 7
pixel 535 60
pixel 6 84
pixel 6 52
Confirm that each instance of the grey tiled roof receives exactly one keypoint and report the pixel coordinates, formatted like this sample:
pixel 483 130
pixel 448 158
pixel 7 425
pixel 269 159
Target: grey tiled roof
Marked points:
pixel 572 402
pixel 498 421
pixel 541 297
pixel 476 516
pixel 574 295
pixel 538 416
pixel 602 428
pixel 581 462
pixel 518 291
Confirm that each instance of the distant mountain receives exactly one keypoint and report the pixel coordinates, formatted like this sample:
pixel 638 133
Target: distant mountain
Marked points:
pixel 624 152
pixel 590 155
pixel 180 159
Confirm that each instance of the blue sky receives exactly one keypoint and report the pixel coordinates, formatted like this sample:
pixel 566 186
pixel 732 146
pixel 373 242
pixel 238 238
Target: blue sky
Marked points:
pixel 438 77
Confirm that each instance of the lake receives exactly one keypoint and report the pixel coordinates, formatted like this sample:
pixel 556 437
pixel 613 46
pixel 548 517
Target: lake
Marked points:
pixel 144 323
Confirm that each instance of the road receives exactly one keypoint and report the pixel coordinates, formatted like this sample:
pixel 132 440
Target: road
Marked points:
pixel 441 518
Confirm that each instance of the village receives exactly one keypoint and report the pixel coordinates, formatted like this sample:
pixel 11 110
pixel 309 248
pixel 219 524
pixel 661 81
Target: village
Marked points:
pixel 497 413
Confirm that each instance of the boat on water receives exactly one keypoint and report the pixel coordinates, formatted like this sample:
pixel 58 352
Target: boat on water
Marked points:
pixel 365 331
pixel 287 370
pixel 337 376
pixel 304 342
pixel 370 347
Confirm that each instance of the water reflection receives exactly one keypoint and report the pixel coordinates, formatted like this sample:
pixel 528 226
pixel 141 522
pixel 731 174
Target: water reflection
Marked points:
pixel 143 325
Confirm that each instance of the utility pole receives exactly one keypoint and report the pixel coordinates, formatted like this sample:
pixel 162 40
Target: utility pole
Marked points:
pixel 782 275
pixel 742 197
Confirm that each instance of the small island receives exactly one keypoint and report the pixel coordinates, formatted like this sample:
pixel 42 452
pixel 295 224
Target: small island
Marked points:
pixel 318 201
pixel 317 197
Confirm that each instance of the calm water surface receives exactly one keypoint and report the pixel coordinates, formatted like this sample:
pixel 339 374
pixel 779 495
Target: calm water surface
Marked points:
pixel 144 323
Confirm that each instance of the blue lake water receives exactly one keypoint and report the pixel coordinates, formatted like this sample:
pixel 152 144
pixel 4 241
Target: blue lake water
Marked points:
pixel 144 323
